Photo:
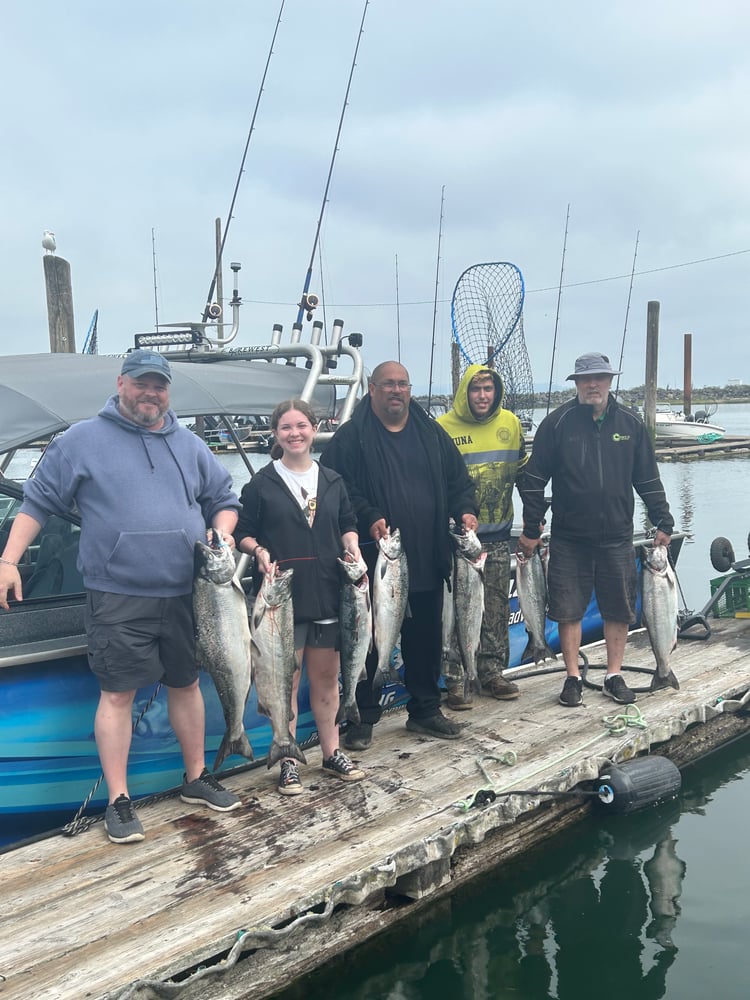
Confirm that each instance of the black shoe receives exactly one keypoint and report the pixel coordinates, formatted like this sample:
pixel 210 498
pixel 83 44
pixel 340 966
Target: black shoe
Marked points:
pixel 121 823
pixel 358 736
pixel 572 693
pixel 615 687
pixel 342 767
pixel 289 779
pixel 434 725
pixel 205 790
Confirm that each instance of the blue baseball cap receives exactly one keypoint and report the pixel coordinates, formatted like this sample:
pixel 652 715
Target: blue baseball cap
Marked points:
pixel 145 362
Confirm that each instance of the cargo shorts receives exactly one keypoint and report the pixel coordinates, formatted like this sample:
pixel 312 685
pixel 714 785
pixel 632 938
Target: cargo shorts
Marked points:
pixel 576 569
pixel 137 641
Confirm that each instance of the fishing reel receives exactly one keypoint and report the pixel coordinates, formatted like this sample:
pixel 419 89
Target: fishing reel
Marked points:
pixel 309 303
pixel 214 311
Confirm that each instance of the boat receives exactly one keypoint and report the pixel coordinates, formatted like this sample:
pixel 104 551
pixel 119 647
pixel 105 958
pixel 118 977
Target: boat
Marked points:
pixel 670 423
pixel 49 765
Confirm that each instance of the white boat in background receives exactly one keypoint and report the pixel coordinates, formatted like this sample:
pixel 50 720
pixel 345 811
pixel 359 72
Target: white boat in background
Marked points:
pixel 671 423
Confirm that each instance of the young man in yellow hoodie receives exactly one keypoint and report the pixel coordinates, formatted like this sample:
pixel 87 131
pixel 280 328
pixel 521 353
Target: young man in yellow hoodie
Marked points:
pixel 491 442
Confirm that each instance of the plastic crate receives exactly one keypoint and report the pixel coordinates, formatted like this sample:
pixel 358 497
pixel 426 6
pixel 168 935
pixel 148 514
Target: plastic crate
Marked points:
pixel 735 598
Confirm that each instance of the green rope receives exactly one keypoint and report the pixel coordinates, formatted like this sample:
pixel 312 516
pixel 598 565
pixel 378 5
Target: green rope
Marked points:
pixel 620 721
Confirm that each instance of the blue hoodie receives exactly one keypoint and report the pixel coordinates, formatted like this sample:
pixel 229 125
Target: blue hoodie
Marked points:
pixel 145 497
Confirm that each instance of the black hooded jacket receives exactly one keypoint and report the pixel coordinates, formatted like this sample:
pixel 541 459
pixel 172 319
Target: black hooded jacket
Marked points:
pixel 594 467
pixel 351 453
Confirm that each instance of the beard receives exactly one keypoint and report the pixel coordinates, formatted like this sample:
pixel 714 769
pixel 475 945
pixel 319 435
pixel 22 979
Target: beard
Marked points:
pixel 140 417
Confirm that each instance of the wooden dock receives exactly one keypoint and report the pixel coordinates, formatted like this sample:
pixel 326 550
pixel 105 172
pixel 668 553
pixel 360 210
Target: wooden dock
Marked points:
pixel 683 449
pixel 240 905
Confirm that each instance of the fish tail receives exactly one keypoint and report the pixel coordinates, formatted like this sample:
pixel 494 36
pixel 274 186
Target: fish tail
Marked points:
pixel 280 751
pixel 658 682
pixel 229 747
pixel 378 679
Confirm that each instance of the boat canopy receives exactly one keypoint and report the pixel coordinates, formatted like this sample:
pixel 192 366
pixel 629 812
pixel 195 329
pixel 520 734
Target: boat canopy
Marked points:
pixel 43 394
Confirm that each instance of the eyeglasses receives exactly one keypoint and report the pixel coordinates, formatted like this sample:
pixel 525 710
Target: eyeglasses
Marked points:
pixel 390 385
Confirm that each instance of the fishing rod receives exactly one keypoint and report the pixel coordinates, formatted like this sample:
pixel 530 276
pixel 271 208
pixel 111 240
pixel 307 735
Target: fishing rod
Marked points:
pixel 557 314
pixel 308 302
pixel 627 311
pixel 398 318
pixel 434 308
pixel 153 261
pixel 210 310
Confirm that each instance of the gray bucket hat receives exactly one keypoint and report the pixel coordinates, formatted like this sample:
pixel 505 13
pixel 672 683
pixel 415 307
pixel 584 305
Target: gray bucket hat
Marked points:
pixel 592 364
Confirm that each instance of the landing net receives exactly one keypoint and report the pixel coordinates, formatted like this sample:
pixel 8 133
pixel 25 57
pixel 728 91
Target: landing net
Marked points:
pixel 487 321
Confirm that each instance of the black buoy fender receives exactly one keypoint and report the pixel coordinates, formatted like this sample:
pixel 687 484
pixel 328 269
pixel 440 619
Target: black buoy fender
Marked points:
pixel 722 554
pixel 638 783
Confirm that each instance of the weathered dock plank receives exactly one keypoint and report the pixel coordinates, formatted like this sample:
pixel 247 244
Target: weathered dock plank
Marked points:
pixel 81 917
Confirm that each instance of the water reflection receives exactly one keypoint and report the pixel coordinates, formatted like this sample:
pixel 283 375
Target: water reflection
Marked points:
pixel 595 914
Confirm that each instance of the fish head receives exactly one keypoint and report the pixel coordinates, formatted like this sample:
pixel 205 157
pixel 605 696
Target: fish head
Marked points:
pixel 353 569
pixel 277 586
pixel 467 543
pixel 390 546
pixel 214 562
pixel 657 559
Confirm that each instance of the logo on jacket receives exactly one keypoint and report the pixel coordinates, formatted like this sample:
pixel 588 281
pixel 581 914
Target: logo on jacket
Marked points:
pixel 620 437
pixel 503 435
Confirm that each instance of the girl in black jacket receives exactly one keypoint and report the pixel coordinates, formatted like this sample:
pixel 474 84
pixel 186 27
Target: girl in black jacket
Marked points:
pixel 298 514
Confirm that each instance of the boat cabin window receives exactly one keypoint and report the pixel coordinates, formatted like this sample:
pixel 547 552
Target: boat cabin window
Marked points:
pixel 48 567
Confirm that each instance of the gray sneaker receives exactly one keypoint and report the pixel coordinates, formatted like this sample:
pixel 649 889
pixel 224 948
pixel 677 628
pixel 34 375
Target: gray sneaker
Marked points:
pixel 615 687
pixel 121 823
pixel 206 791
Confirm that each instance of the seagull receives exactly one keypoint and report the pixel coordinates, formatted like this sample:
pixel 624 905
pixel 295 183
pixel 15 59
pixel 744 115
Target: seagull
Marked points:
pixel 48 241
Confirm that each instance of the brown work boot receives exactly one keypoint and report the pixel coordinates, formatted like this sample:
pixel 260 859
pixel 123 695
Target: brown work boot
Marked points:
pixel 457 701
pixel 501 689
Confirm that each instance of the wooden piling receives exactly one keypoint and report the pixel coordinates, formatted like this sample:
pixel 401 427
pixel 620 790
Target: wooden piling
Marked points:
pixel 652 366
pixel 62 337
pixel 687 375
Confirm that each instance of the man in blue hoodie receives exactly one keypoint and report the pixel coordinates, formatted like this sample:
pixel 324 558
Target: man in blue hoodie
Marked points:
pixel 146 488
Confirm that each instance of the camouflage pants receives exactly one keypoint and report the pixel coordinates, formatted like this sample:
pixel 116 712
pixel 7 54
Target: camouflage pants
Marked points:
pixel 494 649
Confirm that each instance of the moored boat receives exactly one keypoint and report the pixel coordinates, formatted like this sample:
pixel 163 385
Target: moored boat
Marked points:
pixel 671 423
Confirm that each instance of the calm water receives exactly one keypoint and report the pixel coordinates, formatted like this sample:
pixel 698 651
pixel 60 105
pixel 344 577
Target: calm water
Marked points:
pixel 576 920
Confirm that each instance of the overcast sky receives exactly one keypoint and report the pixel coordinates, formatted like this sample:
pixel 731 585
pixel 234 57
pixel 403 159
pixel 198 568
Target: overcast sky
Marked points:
pixel 123 120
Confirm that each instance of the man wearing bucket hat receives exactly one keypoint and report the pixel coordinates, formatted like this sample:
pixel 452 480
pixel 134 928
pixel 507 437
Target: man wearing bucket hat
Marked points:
pixel 146 488
pixel 596 453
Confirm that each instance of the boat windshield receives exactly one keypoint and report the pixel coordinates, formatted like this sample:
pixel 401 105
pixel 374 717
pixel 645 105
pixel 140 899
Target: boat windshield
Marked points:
pixel 48 567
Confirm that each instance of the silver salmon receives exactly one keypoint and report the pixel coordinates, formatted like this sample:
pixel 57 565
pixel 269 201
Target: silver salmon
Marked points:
pixel 222 639
pixel 659 608
pixel 468 602
pixel 355 620
pixel 390 596
pixel 274 662
pixel 531 583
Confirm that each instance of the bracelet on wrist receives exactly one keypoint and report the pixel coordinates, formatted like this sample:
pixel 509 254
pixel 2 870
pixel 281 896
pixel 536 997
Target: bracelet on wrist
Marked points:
pixel 8 562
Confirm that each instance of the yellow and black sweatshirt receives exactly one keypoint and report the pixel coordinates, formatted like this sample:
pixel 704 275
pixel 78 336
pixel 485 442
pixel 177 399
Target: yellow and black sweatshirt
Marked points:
pixel 494 451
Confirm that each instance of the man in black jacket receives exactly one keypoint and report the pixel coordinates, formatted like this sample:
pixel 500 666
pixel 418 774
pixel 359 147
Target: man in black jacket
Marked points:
pixel 403 471
pixel 596 452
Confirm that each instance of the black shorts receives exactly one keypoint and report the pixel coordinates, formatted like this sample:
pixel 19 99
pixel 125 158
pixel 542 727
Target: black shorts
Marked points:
pixel 318 635
pixel 137 641
pixel 578 568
